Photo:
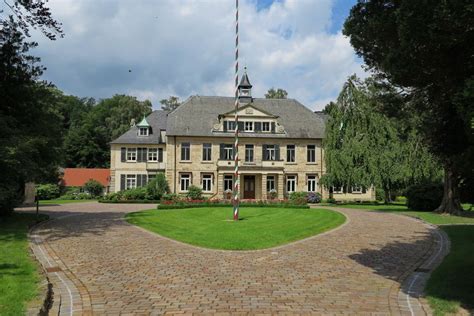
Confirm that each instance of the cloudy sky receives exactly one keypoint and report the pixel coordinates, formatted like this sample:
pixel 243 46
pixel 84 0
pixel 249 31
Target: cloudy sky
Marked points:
pixel 183 48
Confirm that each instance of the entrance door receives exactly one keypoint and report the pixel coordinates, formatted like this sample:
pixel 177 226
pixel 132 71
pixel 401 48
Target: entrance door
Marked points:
pixel 249 187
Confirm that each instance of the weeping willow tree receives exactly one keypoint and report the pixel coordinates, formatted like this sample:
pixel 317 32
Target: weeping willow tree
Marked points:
pixel 364 147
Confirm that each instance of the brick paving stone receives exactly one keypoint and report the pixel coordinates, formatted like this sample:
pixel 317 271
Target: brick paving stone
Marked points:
pixel 115 267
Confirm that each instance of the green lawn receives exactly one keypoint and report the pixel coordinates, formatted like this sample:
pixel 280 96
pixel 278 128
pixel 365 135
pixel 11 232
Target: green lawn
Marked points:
pixel 18 271
pixel 429 217
pixel 258 227
pixel 49 202
pixel 452 284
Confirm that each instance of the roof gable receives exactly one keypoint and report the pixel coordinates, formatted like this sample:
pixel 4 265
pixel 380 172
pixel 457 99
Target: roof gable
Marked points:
pixel 250 110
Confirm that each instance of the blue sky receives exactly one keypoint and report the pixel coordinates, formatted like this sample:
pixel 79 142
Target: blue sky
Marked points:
pixel 185 47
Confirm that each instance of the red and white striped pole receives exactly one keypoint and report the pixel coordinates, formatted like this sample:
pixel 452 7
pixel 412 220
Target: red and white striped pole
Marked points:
pixel 236 198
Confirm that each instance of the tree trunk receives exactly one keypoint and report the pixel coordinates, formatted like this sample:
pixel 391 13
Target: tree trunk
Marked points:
pixel 388 198
pixel 450 203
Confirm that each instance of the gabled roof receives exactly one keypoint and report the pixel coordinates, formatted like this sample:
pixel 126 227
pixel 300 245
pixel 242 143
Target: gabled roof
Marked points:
pixel 248 105
pixel 77 177
pixel 197 116
pixel 157 122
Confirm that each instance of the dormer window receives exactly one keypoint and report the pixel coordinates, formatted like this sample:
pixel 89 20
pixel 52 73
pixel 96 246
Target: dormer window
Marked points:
pixel 265 126
pixel 248 126
pixel 143 131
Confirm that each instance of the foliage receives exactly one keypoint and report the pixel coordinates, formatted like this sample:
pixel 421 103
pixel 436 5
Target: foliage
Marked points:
pixel 180 203
pixel 314 197
pixel 170 104
pixel 364 147
pixel 379 194
pixel 158 187
pixel 299 198
pixel 76 196
pixel 276 94
pixel 424 197
pixel 94 188
pixel 29 142
pixel 273 194
pixel 331 200
pixel 194 193
pixel 171 197
pixel 425 50
pixel 258 227
pixel 19 277
pixel 47 191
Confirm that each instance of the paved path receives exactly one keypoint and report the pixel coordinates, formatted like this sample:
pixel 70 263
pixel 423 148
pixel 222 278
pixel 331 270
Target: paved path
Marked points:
pixel 99 264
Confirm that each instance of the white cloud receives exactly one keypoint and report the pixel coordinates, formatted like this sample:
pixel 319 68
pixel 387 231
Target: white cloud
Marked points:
pixel 186 47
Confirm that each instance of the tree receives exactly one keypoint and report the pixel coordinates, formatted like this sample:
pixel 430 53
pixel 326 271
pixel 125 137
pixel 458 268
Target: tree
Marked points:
pixel 425 49
pixel 276 94
pixel 329 107
pixel 29 129
pixel 364 147
pixel 170 104
pixel 94 188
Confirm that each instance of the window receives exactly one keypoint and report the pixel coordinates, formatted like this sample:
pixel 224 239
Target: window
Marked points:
pixel 248 153
pixel 337 190
pixel 185 151
pixel 270 152
pixel 206 152
pixel 207 182
pixel 228 153
pixel 357 189
pixel 311 153
pixel 152 154
pixel 228 183
pixel 248 126
pixel 131 154
pixel 290 184
pixel 312 183
pixel 131 181
pixel 143 131
pixel 230 125
pixel 290 153
pixel 270 183
pixel 265 126
pixel 184 181
pixel 151 177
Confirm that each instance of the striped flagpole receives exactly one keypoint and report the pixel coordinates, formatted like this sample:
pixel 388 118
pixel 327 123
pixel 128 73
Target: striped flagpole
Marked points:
pixel 236 122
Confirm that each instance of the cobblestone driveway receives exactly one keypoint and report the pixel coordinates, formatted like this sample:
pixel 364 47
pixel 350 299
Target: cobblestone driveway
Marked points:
pixel 99 264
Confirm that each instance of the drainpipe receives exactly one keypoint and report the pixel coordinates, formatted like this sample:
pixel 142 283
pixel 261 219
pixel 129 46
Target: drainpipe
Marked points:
pixel 174 166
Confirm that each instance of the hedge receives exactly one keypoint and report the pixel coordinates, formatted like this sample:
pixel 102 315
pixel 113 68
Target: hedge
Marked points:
pixel 196 205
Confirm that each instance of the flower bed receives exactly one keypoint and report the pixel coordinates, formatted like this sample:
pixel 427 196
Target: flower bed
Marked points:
pixel 179 204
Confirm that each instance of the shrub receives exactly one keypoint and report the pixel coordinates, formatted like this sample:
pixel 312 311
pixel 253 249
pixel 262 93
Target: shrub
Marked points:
pixel 314 197
pixel 424 197
pixel 135 194
pixel 47 191
pixel 194 193
pixel 379 194
pixel 273 194
pixel 94 188
pixel 331 200
pixel 299 198
pixel 158 187
pixel 171 197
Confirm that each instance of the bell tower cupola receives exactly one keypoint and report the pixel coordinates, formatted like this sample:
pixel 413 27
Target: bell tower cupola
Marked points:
pixel 245 89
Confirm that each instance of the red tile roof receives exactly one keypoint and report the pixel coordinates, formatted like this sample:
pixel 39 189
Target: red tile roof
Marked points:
pixel 77 177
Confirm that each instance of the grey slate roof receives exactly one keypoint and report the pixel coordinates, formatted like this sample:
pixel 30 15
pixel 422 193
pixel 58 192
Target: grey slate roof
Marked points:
pixel 157 121
pixel 198 114
pixel 245 82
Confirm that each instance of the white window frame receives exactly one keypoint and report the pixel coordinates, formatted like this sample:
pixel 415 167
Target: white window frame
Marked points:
pixel 228 152
pixel 184 181
pixel 228 183
pixel 291 183
pixel 130 181
pixel 271 183
pixel 152 154
pixel 183 150
pixel 250 148
pixel 340 191
pixel 131 154
pixel 248 126
pixel 205 151
pixel 141 130
pixel 312 183
pixel 266 127
pixel 271 150
pixel 293 150
pixel 206 182
pixel 313 155
pixel 357 189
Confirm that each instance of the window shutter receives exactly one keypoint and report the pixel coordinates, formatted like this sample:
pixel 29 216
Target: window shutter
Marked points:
pixel 241 126
pixel 122 182
pixel 364 190
pixel 344 189
pixel 144 154
pixel 277 152
pixel 123 154
pixel 258 126
pixel 160 154
pixel 264 152
pixel 349 189
pixel 139 155
pixel 144 180
pixel 225 126
pixel 221 152
pixel 273 127
pixel 139 180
